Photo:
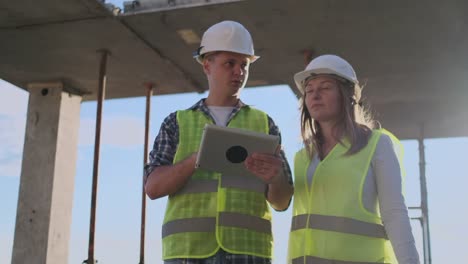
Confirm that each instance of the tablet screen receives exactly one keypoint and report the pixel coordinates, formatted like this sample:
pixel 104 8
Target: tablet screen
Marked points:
pixel 224 149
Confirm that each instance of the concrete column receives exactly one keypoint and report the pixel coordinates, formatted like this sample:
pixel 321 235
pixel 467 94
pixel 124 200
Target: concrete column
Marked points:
pixel 45 201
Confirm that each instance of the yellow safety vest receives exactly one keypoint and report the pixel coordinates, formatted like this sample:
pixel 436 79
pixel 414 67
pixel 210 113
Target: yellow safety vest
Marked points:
pixel 215 211
pixel 330 223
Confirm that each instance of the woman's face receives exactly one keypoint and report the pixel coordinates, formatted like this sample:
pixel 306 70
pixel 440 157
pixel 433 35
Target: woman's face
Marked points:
pixel 322 99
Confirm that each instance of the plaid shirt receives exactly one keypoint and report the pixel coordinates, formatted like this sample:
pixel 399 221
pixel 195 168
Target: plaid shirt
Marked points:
pixel 164 149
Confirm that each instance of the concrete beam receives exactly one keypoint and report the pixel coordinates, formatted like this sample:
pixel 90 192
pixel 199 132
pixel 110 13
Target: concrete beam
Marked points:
pixel 45 199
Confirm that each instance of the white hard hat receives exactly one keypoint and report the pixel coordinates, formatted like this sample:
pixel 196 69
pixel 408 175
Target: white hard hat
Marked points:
pixel 326 64
pixel 226 36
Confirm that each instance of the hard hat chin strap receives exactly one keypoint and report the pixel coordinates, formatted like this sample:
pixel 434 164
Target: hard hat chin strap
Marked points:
pixel 197 52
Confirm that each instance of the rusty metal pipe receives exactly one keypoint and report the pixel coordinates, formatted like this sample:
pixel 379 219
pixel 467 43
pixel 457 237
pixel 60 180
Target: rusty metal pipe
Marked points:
pixel 97 145
pixel 149 93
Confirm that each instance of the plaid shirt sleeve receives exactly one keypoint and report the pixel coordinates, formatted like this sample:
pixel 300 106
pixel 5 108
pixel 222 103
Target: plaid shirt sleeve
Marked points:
pixel 165 144
pixel 274 130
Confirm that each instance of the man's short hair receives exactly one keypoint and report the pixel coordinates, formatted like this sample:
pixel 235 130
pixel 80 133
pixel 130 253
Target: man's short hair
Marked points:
pixel 210 56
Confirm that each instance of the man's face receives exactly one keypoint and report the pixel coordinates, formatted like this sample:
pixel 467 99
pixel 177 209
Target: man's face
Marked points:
pixel 227 72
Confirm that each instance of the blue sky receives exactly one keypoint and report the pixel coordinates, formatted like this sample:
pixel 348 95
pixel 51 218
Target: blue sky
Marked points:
pixel 118 211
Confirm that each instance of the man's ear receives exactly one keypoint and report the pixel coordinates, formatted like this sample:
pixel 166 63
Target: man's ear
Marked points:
pixel 206 67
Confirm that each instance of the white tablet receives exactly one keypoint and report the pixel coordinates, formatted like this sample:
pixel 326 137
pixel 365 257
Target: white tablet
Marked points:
pixel 224 149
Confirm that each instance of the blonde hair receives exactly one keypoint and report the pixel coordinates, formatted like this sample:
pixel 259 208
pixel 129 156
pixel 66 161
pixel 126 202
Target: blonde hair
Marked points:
pixel 354 121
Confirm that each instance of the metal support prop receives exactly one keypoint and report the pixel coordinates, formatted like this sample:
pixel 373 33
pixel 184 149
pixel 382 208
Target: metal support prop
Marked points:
pixel 97 144
pixel 149 93
pixel 424 203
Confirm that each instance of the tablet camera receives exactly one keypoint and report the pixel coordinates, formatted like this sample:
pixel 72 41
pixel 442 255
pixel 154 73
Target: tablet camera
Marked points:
pixel 236 154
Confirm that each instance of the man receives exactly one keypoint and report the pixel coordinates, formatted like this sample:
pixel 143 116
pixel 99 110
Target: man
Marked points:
pixel 210 219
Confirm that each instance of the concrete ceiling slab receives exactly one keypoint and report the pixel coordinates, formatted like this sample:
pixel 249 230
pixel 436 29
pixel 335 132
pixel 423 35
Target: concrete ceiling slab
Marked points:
pixel 411 55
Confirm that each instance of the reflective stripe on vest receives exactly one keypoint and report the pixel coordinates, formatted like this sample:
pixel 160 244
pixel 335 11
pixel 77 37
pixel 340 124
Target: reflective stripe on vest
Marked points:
pixel 316 260
pixel 243 183
pixel 207 185
pixel 205 224
pixel 199 186
pixel 338 224
pixel 208 224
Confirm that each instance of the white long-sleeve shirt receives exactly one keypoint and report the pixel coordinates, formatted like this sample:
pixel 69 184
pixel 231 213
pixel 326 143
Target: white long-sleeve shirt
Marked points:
pixel 383 189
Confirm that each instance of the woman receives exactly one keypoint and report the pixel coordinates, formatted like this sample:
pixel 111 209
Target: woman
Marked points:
pixel 348 202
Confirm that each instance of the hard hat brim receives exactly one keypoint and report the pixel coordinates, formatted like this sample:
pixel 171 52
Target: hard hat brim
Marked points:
pixel 199 58
pixel 300 77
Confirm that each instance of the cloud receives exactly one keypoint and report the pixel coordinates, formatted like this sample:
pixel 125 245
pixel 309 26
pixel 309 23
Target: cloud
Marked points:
pixel 13 106
pixel 14 101
pixel 116 131
pixel 6 242
pixel 11 168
